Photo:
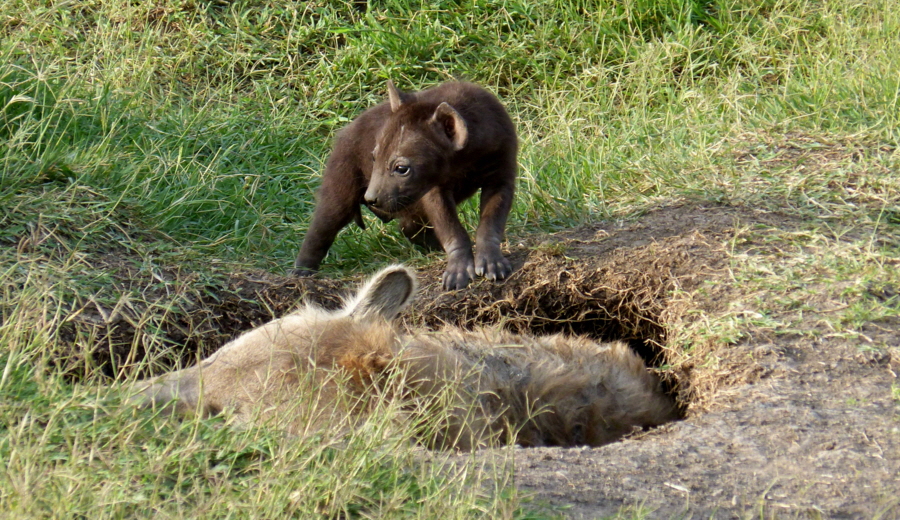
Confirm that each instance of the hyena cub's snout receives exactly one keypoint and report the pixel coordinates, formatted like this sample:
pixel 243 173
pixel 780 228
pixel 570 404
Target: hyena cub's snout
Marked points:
pixel 391 194
pixel 313 367
pixel 383 201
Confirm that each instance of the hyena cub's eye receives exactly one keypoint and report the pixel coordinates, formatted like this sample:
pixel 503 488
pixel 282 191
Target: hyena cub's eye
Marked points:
pixel 401 170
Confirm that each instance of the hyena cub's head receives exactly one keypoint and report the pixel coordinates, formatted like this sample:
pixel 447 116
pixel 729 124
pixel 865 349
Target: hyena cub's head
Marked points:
pixel 412 151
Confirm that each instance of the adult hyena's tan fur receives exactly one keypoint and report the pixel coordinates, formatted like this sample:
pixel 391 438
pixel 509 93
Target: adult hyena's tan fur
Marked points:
pixel 533 391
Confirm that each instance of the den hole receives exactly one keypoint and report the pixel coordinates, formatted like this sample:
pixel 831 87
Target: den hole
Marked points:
pixel 606 301
pixel 534 302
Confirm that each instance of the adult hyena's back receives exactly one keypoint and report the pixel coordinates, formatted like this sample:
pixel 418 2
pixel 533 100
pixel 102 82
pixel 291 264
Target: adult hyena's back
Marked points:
pixel 554 390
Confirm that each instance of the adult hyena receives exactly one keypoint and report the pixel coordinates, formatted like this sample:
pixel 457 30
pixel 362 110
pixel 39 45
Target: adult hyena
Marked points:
pixel 502 387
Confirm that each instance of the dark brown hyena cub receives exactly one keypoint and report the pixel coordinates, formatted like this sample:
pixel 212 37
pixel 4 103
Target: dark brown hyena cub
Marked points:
pixel 414 158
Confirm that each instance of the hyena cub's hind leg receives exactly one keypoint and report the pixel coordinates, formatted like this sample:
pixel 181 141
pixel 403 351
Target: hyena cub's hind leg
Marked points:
pixel 419 232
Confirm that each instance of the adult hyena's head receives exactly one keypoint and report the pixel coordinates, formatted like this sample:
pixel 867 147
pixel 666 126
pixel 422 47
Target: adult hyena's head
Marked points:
pixel 261 368
pixel 413 151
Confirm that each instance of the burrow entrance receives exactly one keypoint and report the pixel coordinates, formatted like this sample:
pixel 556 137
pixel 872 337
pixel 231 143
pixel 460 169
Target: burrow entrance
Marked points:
pixel 630 284
pixel 581 283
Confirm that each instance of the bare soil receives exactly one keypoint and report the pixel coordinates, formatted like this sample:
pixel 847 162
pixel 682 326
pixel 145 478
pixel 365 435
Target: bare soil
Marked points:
pixel 799 425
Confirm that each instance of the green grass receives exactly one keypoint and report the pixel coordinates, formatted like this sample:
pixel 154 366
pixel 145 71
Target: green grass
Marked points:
pixel 188 136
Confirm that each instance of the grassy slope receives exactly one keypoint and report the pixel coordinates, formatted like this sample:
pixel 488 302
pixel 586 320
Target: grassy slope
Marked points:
pixel 191 134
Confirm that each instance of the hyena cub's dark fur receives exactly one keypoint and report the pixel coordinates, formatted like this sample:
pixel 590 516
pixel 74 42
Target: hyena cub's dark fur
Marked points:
pixel 415 158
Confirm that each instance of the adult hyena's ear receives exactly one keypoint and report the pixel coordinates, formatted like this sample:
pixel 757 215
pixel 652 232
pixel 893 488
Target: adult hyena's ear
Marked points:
pixel 384 295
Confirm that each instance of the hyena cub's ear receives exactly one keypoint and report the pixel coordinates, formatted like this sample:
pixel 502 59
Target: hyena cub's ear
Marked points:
pixel 396 97
pixel 452 125
pixel 384 295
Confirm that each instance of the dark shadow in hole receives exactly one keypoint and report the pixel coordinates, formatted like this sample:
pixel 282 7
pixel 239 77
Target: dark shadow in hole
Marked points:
pixel 606 329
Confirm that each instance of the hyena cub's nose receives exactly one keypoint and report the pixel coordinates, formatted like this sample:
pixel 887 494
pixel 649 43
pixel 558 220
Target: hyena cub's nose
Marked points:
pixel 371 200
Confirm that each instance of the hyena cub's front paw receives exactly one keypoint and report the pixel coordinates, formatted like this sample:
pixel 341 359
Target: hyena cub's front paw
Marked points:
pixel 302 269
pixel 492 265
pixel 460 271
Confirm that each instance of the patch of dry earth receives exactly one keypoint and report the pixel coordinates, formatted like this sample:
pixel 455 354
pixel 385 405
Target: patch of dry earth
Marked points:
pixel 819 437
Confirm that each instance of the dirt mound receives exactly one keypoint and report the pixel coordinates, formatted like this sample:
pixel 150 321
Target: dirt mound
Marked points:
pixel 179 321
pixel 628 282
pixel 625 282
